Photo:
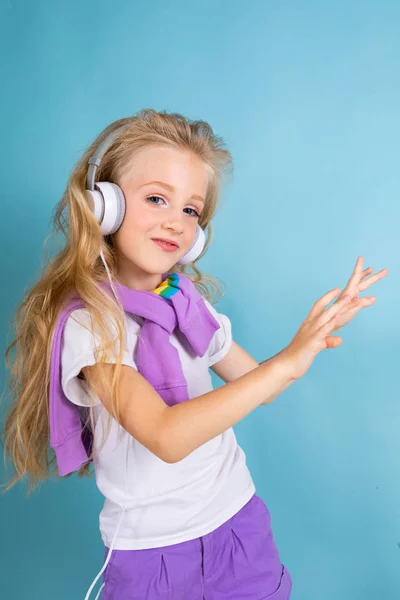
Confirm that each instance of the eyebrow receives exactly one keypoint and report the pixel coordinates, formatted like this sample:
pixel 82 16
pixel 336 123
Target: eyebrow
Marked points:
pixel 171 189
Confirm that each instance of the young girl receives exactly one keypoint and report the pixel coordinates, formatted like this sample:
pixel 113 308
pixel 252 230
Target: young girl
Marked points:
pixel 113 350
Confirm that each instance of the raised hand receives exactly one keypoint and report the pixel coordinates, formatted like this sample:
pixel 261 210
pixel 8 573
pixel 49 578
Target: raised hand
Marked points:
pixel 315 333
pixel 356 284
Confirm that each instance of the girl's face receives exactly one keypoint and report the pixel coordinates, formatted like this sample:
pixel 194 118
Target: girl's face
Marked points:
pixel 165 193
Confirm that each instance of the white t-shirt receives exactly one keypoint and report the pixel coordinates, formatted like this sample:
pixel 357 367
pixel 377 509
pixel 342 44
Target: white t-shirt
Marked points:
pixel 164 503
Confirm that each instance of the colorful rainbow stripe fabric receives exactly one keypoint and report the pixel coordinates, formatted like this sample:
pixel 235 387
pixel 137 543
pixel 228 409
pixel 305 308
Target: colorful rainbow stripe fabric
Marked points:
pixel 168 287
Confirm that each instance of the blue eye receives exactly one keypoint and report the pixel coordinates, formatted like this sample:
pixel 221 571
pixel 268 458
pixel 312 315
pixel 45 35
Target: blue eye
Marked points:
pixel 150 198
pixel 194 212
pixel 153 200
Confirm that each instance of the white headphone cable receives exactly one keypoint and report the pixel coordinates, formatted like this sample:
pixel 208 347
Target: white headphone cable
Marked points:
pixel 126 476
pixel 115 534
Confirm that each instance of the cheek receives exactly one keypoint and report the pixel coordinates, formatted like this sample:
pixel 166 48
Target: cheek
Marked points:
pixel 137 219
pixel 131 231
pixel 190 231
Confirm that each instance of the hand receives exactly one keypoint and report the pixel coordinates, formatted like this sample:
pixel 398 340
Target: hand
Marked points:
pixel 356 284
pixel 315 332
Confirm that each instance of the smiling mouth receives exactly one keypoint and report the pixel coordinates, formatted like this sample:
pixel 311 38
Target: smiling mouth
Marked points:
pixel 167 245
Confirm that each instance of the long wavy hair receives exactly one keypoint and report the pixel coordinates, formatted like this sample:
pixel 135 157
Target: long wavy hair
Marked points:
pixel 78 268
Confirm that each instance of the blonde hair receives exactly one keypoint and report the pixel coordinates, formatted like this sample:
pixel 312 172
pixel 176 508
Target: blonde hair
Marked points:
pixel 77 268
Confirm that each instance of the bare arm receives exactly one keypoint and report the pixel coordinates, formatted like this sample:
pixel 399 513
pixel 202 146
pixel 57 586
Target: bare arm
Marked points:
pixel 192 423
pixel 236 363
pixel 172 433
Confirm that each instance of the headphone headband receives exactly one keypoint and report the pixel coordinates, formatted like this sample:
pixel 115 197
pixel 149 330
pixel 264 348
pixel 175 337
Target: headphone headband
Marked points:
pixel 95 159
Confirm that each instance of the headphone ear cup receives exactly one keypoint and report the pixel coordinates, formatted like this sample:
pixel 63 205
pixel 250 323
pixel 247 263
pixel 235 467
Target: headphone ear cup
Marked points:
pixel 96 203
pixel 196 248
pixel 108 204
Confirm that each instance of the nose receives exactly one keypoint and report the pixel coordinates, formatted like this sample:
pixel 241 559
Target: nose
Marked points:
pixel 174 221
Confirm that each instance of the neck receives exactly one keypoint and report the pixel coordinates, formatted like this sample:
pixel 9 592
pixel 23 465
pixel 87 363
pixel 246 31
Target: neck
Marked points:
pixel 136 279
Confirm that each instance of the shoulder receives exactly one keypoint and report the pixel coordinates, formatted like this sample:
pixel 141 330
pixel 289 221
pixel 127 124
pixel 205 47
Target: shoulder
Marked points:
pixel 222 339
pixel 80 320
pixel 81 341
pixel 82 338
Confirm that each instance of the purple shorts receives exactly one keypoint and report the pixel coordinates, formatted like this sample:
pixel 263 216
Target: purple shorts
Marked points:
pixel 236 561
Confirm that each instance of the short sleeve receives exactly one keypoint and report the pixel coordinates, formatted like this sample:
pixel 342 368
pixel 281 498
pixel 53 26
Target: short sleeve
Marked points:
pixel 77 351
pixel 222 339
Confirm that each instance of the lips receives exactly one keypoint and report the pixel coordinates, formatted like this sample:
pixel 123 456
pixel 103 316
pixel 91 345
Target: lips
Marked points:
pixel 165 244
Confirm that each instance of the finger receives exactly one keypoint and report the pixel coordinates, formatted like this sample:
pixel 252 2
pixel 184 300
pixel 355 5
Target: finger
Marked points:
pixel 334 310
pixel 355 277
pixel 366 272
pixel 322 302
pixel 357 273
pixel 349 313
pixel 355 305
pixel 341 305
pixel 333 341
pixel 352 308
pixel 373 279
pixel 366 301
pixel 359 266
pixel 327 327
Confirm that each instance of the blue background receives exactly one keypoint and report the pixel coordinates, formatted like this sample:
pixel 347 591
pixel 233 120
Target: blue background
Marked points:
pixel 307 97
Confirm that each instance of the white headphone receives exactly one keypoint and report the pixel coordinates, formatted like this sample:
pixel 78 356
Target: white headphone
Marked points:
pixel 107 201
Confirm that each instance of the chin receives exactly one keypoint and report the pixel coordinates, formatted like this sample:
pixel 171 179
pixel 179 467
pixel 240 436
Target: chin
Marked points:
pixel 157 267
pixel 164 264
